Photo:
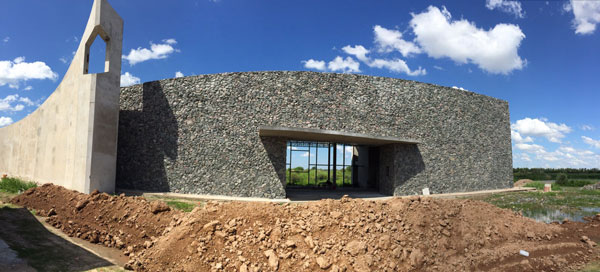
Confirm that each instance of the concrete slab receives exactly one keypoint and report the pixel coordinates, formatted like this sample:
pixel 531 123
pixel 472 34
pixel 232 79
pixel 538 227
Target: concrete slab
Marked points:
pixel 202 197
pixel 306 195
pixel 323 135
pixel 111 255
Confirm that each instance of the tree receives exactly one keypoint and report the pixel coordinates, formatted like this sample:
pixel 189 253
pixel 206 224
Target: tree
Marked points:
pixel 561 179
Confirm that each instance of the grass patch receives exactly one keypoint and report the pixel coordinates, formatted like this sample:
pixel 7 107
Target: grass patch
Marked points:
pixel 180 205
pixel 569 200
pixel 577 182
pixel 317 177
pixel 540 186
pixel 591 267
pixel 15 185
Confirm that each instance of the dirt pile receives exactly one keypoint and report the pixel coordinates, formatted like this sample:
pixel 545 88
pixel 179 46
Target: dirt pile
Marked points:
pixel 522 182
pixel 116 221
pixel 354 235
pixel 415 234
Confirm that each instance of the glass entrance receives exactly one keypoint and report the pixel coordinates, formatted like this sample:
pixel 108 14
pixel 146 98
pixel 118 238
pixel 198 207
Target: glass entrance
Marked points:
pixel 320 164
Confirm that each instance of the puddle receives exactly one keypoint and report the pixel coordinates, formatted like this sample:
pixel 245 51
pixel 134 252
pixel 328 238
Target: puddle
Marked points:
pixel 557 215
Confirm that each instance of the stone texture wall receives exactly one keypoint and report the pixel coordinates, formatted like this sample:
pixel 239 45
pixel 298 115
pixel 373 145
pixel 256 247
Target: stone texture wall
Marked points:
pixel 200 134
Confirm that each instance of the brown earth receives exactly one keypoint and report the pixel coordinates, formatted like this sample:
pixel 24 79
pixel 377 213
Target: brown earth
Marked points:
pixel 115 221
pixel 522 182
pixel 418 234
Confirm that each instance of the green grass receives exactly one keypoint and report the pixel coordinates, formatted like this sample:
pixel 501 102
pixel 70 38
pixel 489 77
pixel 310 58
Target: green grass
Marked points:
pixel 180 205
pixel 569 200
pixel 591 267
pixel 540 186
pixel 578 182
pixel 302 177
pixel 15 185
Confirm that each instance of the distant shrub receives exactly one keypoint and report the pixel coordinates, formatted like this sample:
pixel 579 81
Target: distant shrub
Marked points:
pixel 561 179
pixel 15 185
pixel 296 179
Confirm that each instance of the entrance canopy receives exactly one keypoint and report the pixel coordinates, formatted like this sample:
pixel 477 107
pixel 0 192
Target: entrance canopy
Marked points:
pixel 310 134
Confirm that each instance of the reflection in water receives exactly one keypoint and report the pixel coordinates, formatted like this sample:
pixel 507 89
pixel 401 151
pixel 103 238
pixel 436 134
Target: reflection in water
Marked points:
pixel 557 215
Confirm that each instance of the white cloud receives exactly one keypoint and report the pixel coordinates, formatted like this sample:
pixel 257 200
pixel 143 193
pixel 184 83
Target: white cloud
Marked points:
pixel 28 88
pixel 564 156
pixel 156 51
pixel 512 7
pixel 6 103
pixel 17 70
pixel 587 128
pixel 63 60
pixel 178 74
pixel 359 51
pixel 540 128
pixel 170 41
pixel 590 141
pixel 524 157
pixel 394 65
pixel 534 148
pixel 587 15
pixel 493 50
pixel 517 138
pixel 388 40
pixel 347 65
pixel 5 121
pixel 128 79
pixel 26 100
pixel 459 88
pixel 567 150
pixel 398 66
pixel 438 67
pixel 6 39
pixel 315 64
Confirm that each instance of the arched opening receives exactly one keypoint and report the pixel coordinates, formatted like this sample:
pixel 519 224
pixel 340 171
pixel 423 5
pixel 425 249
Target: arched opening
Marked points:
pixel 97 52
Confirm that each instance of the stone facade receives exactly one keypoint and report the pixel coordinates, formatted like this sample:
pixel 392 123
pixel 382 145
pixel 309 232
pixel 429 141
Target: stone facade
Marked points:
pixel 199 134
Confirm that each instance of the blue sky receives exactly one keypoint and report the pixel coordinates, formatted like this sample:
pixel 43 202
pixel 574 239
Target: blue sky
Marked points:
pixel 542 57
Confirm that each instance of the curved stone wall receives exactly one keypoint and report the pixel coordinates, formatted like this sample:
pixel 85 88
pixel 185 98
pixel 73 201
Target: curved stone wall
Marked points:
pixel 199 134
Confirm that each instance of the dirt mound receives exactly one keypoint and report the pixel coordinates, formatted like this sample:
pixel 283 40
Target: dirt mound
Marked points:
pixel 415 234
pixel 353 235
pixel 115 221
pixel 522 182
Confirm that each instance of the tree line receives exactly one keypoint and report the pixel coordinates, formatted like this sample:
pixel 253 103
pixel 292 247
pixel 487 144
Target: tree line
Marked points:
pixel 552 173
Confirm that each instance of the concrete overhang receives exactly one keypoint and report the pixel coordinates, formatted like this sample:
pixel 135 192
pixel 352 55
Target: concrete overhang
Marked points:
pixel 322 135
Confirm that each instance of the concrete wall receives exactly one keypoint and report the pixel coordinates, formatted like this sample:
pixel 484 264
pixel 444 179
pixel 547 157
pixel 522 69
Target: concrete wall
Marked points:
pixel 200 134
pixel 70 140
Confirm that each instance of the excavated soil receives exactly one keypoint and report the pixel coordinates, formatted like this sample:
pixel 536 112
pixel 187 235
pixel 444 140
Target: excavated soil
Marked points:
pixel 115 221
pixel 415 234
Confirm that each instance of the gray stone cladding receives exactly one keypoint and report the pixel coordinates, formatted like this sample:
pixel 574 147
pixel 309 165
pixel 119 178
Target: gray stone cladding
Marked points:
pixel 199 134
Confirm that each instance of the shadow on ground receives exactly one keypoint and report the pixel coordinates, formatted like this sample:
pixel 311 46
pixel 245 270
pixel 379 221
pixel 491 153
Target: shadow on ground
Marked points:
pixel 43 250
